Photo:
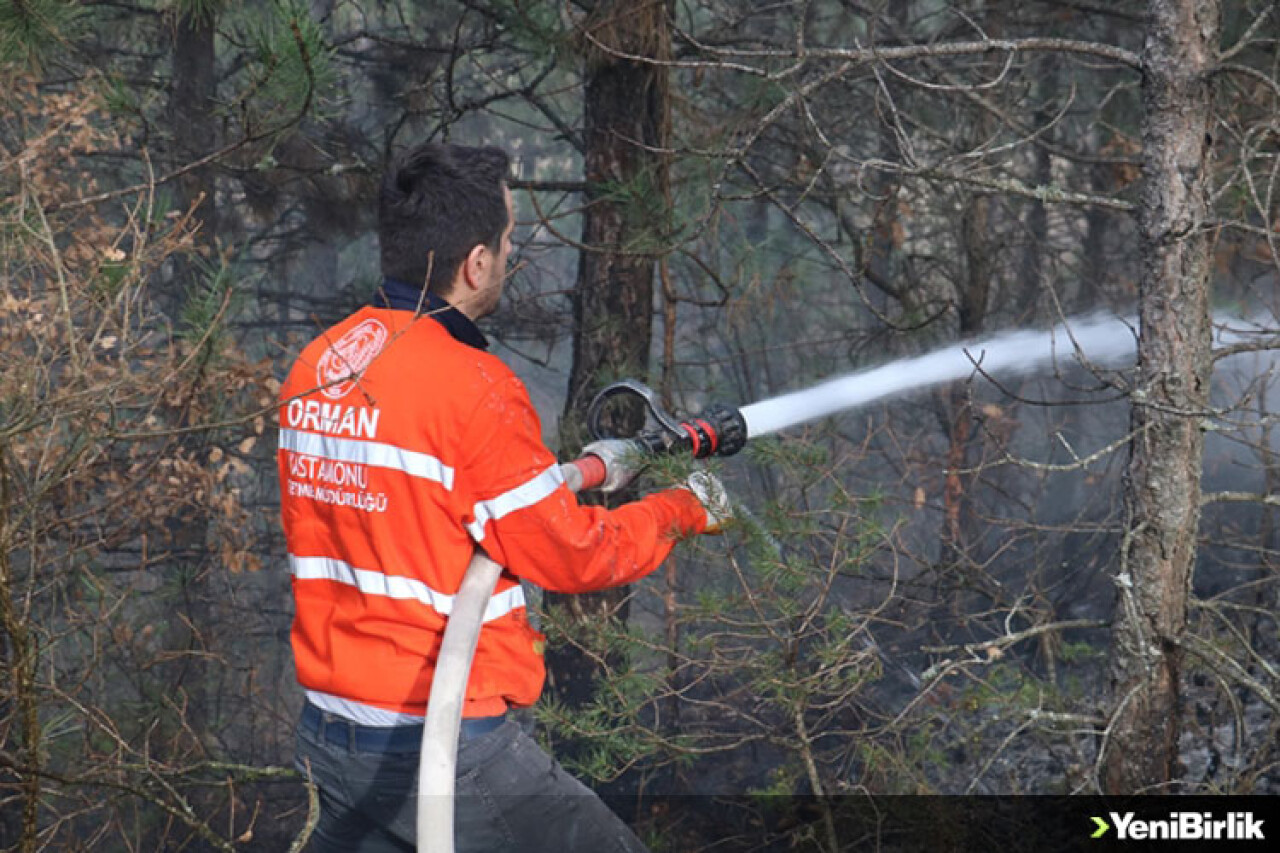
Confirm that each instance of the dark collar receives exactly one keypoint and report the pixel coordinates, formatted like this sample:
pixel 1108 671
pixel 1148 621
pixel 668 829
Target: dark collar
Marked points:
pixel 403 296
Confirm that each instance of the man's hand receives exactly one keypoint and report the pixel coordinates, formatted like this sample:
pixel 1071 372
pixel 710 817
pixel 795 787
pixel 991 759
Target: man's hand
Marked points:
pixel 621 462
pixel 709 491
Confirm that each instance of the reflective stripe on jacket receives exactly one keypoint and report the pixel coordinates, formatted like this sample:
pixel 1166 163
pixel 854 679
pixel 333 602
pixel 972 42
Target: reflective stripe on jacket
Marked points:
pixel 390 480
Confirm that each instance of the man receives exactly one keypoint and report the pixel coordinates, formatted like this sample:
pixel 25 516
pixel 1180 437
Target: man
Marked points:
pixel 404 446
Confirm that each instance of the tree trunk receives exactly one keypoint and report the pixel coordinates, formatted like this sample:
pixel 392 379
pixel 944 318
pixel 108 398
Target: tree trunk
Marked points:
pixel 1162 493
pixel 973 293
pixel 193 95
pixel 625 118
pixel 972 298
pixel 1039 252
pixel 193 123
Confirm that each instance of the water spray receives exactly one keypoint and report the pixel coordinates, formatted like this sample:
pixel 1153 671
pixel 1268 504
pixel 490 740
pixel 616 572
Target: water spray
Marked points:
pixel 1100 341
pixel 723 430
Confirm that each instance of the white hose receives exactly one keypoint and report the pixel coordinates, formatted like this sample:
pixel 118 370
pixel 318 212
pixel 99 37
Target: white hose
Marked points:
pixel 438 764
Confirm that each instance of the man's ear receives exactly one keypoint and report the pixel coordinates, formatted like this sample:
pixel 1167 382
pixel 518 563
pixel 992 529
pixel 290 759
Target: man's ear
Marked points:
pixel 475 265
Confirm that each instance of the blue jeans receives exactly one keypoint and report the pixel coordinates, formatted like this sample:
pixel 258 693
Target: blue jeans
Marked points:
pixel 511 796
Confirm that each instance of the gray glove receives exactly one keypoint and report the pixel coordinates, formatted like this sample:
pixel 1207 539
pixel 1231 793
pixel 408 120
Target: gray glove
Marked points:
pixel 709 491
pixel 622 462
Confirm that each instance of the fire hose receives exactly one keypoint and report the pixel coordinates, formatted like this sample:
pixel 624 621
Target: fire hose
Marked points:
pixel 718 431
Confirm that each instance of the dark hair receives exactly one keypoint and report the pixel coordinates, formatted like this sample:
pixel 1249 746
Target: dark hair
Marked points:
pixel 437 203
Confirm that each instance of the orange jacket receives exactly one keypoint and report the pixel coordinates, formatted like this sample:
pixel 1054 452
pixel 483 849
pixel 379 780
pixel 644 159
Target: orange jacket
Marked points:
pixel 390 481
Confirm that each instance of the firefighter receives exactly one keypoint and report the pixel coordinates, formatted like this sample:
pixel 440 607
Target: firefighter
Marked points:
pixel 404 447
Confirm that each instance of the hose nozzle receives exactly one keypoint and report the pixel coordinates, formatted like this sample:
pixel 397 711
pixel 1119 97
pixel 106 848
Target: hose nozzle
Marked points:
pixel 718 431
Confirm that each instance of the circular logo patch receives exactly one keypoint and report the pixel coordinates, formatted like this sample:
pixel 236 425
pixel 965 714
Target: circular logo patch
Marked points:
pixel 348 356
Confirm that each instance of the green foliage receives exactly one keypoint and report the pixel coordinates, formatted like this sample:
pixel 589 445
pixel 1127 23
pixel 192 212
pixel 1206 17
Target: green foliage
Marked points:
pixel 644 210
pixel 760 636
pixel 895 767
pixel 609 729
pixel 781 783
pixel 32 30
pixel 292 71
pixel 212 300
pixel 535 28
pixel 1076 652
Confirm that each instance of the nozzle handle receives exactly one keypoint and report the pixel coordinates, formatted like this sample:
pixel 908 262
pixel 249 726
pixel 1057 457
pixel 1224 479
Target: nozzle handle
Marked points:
pixel 628 388
pixel 718 431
